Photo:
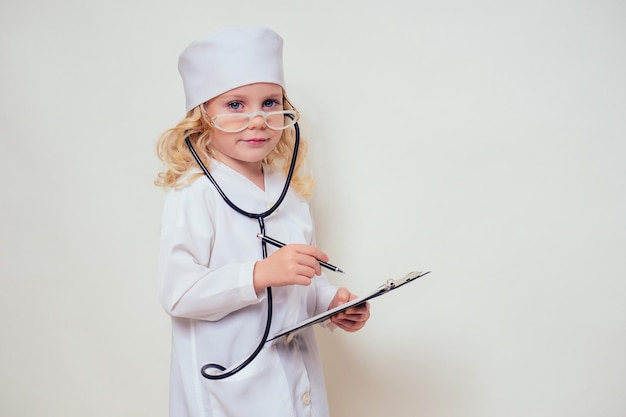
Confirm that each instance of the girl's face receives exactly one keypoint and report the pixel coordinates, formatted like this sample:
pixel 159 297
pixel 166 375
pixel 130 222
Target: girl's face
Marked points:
pixel 243 151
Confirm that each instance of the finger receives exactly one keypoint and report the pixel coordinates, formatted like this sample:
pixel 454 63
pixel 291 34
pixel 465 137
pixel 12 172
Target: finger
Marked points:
pixel 357 314
pixel 343 295
pixel 302 280
pixel 353 317
pixel 311 251
pixel 310 262
pixel 305 271
pixel 348 325
pixel 361 309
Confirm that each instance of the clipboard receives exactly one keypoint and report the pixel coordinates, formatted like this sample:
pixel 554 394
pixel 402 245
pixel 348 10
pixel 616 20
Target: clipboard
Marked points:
pixel 386 288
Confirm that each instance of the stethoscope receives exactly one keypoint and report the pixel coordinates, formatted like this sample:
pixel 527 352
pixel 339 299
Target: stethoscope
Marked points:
pixel 260 218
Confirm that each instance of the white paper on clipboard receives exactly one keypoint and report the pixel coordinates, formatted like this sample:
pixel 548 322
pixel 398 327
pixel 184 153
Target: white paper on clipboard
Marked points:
pixel 383 289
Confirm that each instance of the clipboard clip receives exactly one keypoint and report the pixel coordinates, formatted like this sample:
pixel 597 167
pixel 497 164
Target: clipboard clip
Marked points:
pixel 395 283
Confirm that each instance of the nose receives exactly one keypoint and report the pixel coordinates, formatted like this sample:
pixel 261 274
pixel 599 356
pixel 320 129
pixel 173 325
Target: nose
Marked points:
pixel 257 121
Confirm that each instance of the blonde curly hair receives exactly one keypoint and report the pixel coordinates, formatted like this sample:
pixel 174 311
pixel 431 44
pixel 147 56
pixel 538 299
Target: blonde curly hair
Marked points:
pixel 178 160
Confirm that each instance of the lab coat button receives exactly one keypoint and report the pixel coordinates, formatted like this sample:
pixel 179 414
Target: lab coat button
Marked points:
pixel 289 338
pixel 306 398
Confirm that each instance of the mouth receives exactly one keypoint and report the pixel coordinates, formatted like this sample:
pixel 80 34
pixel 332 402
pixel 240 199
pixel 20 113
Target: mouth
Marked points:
pixel 255 141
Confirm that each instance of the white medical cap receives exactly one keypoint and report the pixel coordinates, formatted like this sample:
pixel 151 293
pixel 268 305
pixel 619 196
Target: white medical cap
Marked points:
pixel 230 58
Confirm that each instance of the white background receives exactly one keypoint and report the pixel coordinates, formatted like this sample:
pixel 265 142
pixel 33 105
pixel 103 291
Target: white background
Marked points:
pixel 482 140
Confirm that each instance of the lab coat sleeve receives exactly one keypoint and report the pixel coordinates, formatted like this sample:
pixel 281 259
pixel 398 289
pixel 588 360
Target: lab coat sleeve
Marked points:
pixel 187 286
pixel 325 293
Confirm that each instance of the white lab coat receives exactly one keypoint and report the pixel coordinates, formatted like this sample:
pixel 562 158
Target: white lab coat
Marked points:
pixel 207 255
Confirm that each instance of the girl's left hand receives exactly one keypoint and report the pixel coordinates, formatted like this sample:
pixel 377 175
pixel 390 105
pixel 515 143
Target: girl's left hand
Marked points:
pixel 352 319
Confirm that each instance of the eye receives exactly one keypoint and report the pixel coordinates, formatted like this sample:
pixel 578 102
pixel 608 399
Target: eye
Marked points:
pixel 234 105
pixel 271 103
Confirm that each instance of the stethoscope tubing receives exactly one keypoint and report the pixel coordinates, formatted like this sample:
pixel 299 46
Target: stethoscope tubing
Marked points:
pixel 260 218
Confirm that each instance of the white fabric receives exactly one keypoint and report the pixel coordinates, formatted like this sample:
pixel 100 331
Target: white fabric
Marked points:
pixel 207 255
pixel 230 58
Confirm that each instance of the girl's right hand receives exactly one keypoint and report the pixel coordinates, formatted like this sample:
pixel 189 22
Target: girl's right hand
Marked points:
pixel 291 264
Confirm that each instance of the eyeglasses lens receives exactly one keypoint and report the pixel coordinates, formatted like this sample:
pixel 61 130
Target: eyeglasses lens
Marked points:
pixel 239 122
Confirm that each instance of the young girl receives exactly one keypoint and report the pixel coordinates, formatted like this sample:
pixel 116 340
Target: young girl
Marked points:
pixel 229 172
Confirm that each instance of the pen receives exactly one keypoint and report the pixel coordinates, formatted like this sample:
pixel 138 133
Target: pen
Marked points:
pixel 278 244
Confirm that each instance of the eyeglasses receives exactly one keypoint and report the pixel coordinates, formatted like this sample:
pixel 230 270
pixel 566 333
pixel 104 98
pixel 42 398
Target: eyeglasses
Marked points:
pixel 237 122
